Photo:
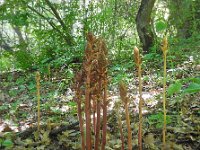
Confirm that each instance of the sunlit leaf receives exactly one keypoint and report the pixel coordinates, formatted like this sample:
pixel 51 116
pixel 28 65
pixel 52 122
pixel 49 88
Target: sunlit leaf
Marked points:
pixel 174 88
pixel 195 80
pixel 160 26
pixel 72 103
pixel 193 88
pixel 7 143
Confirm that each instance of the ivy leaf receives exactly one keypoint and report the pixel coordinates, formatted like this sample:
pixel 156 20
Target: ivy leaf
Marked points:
pixel 174 88
pixel 160 26
pixel 193 88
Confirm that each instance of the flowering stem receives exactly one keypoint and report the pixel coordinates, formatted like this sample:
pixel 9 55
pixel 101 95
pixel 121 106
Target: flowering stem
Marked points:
pixel 38 98
pixel 140 108
pixel 164 99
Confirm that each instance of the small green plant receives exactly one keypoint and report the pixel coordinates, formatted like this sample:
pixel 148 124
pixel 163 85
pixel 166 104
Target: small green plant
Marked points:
pixel 8 144
pixel 174 88
pixel 157 120
pixel 192 88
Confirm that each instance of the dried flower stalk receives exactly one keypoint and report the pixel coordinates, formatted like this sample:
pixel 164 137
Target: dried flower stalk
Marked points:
pixel 103 73
pixel 88 69
pixel 49 72
pixel 95 84
pixel 98 124
pixel 120 124
pixel 138 63
pixel 125 99
pixel 78 99
pixel 164 48
pixel 38 99
pixel 105 103
pixel 98 110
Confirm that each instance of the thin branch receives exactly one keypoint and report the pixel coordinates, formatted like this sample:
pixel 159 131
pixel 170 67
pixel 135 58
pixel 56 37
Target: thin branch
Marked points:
pixel 51 24
pixel 56 14
pixel 71 42
pixel 5 45
pixel 19 34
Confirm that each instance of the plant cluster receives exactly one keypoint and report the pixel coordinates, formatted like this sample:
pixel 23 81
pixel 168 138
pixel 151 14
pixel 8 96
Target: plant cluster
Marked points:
pixel 91 81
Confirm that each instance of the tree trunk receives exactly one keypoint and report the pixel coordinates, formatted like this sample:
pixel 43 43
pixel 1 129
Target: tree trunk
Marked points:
pixel 143 20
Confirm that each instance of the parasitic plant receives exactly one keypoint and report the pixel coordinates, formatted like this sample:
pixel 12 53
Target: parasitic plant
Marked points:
pixel 103 63
pixel 78 99
pixel 49 72
pixel 125 100
pixel 138 63
pixel 164 49
pixel 87 65
pixel 120 124
pixel 93 78
pixel 38 99
pixel 99 98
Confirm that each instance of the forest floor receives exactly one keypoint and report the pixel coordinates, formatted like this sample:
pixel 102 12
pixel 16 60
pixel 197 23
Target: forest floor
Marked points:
pixel 59 122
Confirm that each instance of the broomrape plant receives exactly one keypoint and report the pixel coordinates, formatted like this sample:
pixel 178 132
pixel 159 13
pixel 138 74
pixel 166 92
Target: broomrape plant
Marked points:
pixel 164 48
pixel 138 63
pixel 93 77
pixel 78 99
pixel 125 100
pixel 38 98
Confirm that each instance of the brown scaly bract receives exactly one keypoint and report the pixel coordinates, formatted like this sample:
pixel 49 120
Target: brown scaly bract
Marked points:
pixel 137 56
pixel 123 92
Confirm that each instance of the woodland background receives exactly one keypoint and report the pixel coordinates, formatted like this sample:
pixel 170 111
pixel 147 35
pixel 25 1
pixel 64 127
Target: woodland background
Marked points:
pixel 49 36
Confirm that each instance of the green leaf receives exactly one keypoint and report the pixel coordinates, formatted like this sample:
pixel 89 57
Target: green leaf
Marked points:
pixel 7 143
pixel 31 86
pixel 174 88
pixel 1 140
pixel 22 87
pixel 149 56
pixel 160 26
pixel 20 81
pixel 195 80
pixel 72 104
pixel 157 116
pixel 157 119
pixel 193 88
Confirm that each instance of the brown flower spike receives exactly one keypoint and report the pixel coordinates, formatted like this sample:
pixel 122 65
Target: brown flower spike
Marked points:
pixel 138 63
pixel 92 79
pixel 125 99
pixel 164 46
pixel 38 98
pixel 137 56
